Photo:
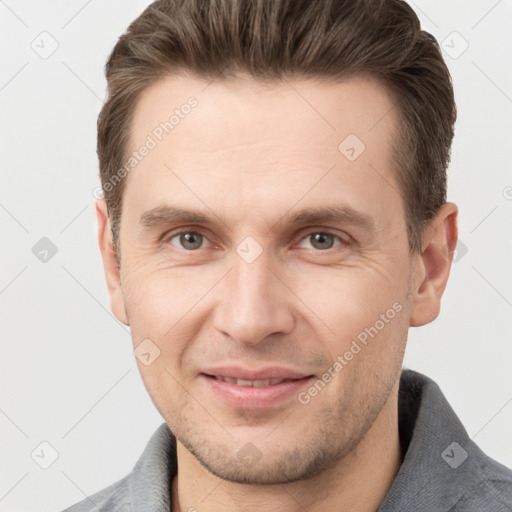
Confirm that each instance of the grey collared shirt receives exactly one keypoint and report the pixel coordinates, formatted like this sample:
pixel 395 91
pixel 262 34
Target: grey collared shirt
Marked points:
pixel 443 470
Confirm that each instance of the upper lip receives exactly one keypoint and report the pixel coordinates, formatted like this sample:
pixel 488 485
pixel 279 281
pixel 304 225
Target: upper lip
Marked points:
pixel 269 372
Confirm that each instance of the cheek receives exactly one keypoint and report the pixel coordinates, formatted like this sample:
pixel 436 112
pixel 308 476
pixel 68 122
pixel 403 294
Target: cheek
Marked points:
pixel 366 313
pixel 161 304
pixel 346 300
pixel 158 292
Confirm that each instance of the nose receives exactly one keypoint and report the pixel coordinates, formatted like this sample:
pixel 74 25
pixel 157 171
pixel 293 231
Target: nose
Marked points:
pixel 254 303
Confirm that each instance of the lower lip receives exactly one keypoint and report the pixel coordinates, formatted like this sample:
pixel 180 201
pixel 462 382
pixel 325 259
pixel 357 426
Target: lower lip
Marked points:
pixel 249 397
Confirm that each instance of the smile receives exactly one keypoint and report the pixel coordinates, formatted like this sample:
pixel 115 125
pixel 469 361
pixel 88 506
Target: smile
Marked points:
pixel 253 389
pixel 251 383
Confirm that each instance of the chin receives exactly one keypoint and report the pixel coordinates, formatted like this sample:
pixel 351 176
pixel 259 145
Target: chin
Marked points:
pixel 251 466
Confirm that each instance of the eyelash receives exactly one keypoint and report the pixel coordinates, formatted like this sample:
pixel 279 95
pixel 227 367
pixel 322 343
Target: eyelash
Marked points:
pixel 169 236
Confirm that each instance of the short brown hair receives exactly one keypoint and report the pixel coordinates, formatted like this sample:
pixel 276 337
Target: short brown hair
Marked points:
pixel 269 39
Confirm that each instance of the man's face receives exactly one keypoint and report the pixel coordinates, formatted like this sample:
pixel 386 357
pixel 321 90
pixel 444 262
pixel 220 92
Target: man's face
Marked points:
pixel 251 294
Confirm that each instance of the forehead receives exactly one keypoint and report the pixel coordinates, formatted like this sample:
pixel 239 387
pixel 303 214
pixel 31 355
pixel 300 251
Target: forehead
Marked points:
pixel 243 110
pixel 263 141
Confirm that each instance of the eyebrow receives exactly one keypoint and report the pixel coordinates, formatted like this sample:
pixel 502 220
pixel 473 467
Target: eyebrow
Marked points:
pixel 167 214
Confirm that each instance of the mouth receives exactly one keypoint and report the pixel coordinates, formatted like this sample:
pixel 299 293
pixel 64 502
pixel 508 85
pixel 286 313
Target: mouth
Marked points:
pixel 258 383
pixel 248 389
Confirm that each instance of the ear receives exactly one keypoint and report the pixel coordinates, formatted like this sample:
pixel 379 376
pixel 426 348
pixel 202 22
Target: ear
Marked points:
pixel 110 263
pixel 433 266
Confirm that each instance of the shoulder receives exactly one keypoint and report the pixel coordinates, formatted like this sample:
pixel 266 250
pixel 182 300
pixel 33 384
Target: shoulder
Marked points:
pixel 114 498
pixel 486 496
pixel 443 468
pixel 146 487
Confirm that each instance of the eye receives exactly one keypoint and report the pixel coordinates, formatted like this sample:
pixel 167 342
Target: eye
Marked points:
pixel 193 240
pixel 188 240
pixel 322 241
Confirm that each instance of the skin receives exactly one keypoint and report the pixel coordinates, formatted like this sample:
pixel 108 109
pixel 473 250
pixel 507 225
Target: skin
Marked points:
pixel 250 155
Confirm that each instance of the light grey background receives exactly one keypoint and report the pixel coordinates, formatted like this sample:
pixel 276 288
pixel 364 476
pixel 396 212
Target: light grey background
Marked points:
pixel 68 374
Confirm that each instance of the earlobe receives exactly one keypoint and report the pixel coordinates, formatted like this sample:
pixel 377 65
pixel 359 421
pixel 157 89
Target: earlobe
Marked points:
pixel 433 265
pixel 110 263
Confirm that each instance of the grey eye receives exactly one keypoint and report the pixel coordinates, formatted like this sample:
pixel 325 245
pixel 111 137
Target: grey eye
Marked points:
pixel 189 240
pixel 321 241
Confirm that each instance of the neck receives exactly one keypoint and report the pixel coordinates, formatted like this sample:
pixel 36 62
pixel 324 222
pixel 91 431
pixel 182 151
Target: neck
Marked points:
pixel 360 481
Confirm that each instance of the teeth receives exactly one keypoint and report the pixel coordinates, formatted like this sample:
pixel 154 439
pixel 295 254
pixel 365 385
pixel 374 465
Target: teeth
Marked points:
pixel 242 382
pixel 261 382
pixel 251 383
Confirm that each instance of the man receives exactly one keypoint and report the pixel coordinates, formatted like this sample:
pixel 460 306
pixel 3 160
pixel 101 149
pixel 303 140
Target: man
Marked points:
pixel 274 221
